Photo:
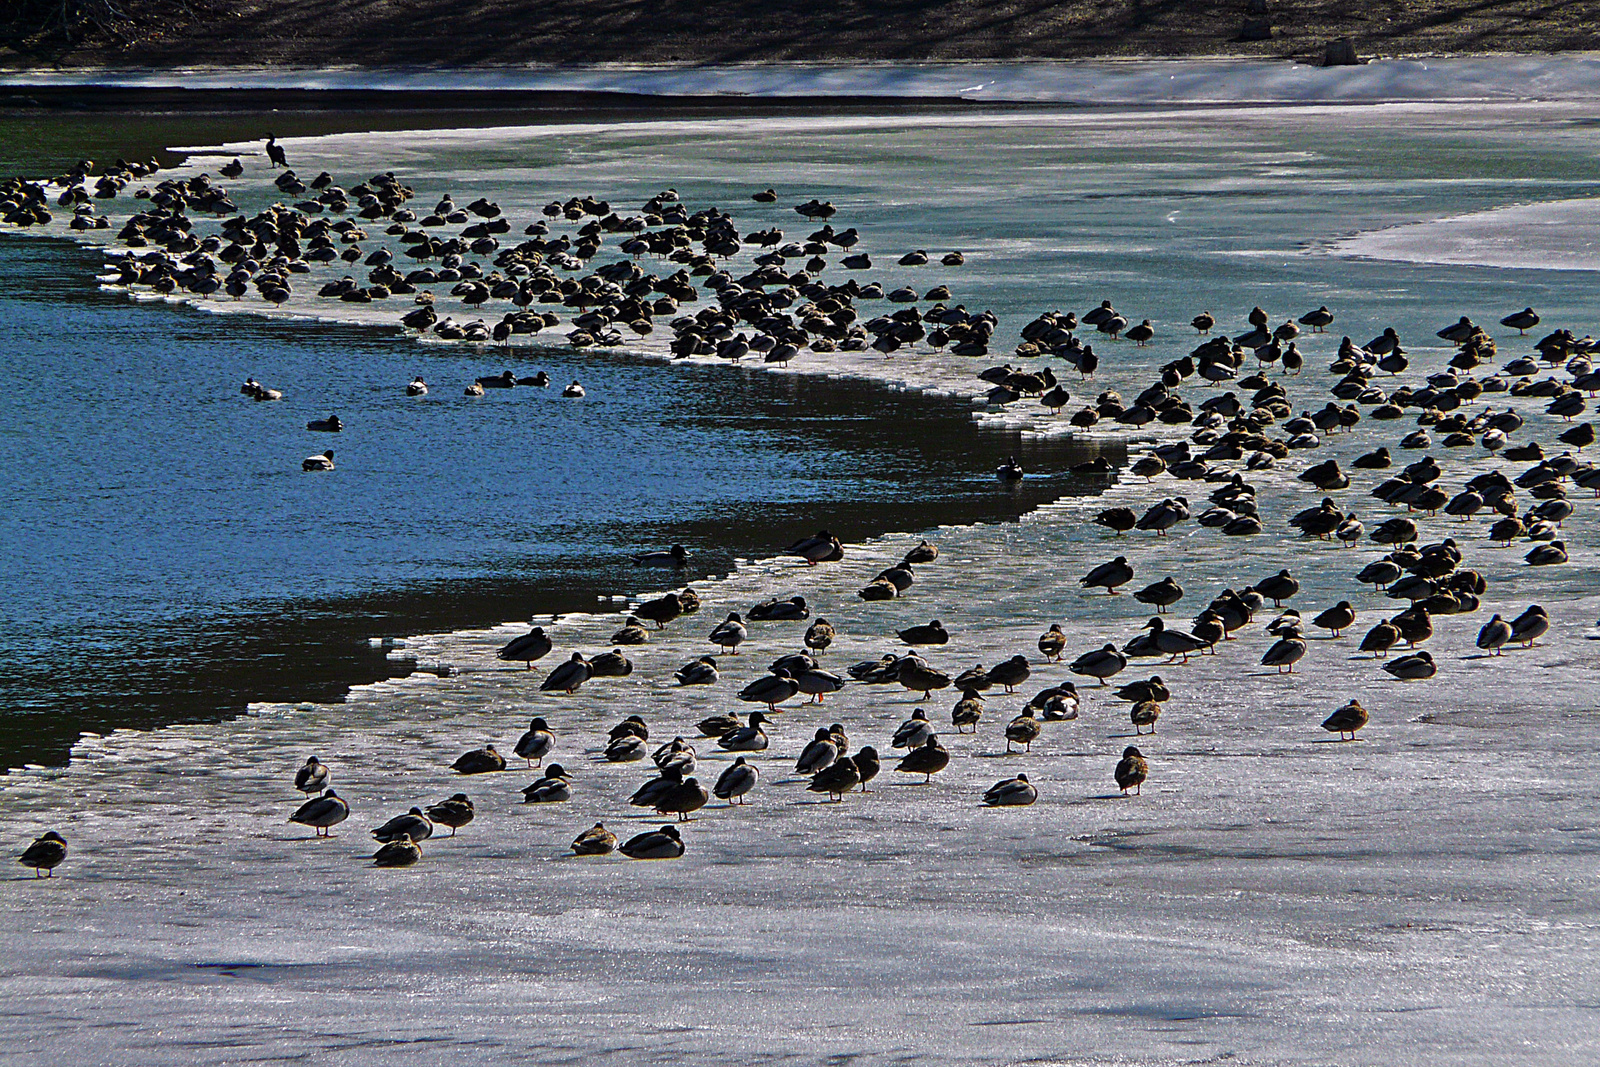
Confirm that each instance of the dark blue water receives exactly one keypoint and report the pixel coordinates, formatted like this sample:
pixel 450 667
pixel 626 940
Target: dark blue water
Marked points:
pixel 165 558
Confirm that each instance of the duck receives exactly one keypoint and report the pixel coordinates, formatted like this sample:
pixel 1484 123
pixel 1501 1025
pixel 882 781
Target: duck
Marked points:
pixel 631 633
pixel 1380 639
pixel 1010 673
pixel 413 826
pixel 1023 730
pixel 968 711
pixel 1494 635
pixel 1279 587
pixel 771 690
pixel 749 738
pixel 1346 720
pixel 275 153
pixel 676 753
pixel 47 852
pixel 533 645
pixel 836 779
pixel 927 761
pixel 321 462
pixel 568 676
pixel 555 787
pixel 1285 652
pixel 676 556
pixel 573 391
pixel 1547 554
pixel 1010 470
pixel 648 794
pixel 822 547
pixel 1101 663
pixel 1173 643
pixel 701 671
pixel 1415 667
pixel 919 677
pixel 418 387
pixel 313 777
pixel 819 635
pixel 455 812
pixel 1119 520
pixel 820 752
pixel 323 813
pixel 1161 595
pixel 913 732
pixel 1338 618
pixel 536 744
pixel 1110 575
pixel 331 424
pixel 483 760
pixel 660 611
pixel 1132 770
pixel 1052 643
pixel 683 799
pixel 933 633
pixel 662 844
pixel 775 609
pixel 1015 792
pixel 595 841
pixel 1531 625
pixel 924 552
pixel 730 634
pixel 818 683
pixel 402 851
pixel 739 779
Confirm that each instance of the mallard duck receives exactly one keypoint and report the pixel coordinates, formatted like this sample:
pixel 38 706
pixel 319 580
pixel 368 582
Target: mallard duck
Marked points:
pixel 736 781
pixel 771 689
pixel 568 676
pixel 779 610
pixel 867 765
pixel 1494 635
pixel 611 664
pixel 413 825
pixel 913 732
pixel 652 791
pixel 927 761
pixel 632 726
pixel 1132 770
pixel 967 712
pixel 483 760
pixel 701 671
pixel 1015 792
pixel 322 813
pixel 1337 618
pixel 749 738
pixel 1053 642
pixel 661 610
pixel 595 841
pixel 554 788
pixel 918 677
pixel 1162 594
pixel 1380 639
pixel 632 633
pixel 818 683
pixel 820 752
pixel 1285 652
pixel 1151 689
pixel 1144 713
pixel 530 646
pixel 1119 520
pixel 933 633
pixel 675 753
pixel 313 777
pixel 1415 667
pixel 1531 625
pixel 454 813
pixel 1010 673
pixel 676 556
pixel 1110 575
pixel 819 635
pixel 836 779
pixel 662 844
pixel 536 744
pixel 1023 730
pixel 683 799
pixel 1101 663
pixel 730 634
pixel 400 852
pixel 1278 587
pixel 1346 720
pixel 925 552
pixel 50 851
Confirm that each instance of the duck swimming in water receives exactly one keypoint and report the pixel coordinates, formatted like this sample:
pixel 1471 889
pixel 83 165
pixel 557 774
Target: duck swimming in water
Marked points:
pixel 573 391
pixel 676 556
pixel 323 462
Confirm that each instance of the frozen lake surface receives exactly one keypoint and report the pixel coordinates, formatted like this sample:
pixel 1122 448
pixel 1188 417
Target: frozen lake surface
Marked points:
pixel 1422 896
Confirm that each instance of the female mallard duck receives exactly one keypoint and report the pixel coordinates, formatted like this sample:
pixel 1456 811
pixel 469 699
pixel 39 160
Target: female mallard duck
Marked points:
pixel 918 677
pixel 662 844
pixel 660 611
pixel 1015 792
pixel 313 777
pixel 632 726
pixel 322 813
pixel 1380 639
pixel 46 854
pixel 625 749
pixel 1337 618
pixel 967 712
pixel 1494 635
pixel 413 825
pixel 554 788
pixel 730 634
pixel 822 547
pixel 1023 730
pixel 536 744
pixel 776 610
pixel 675 753
pixel 568 676
pixel 750 738
pixel 683 799
pixel 1144 713
pixel 925 552
pixel 1119 520
pixel 454 813
pixel 1151 689
pixel 836 779
pixel 1286 652
pixel 819 635
pixel 530 646
pixel 932 634
pixel 400 852
pixel 718 725
pixel 595 841
pixel 1162 595
pixel 611 664
pixel 927 761
pixel 632 633
pixel 1132 770
pixel 483 760
pixel 736 781
pixel 1347 720
pixel 1531 625
pixel 1053 642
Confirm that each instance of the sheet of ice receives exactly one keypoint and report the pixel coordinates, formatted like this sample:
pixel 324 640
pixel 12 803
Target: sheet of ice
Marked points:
pixel 1423 896
pixel 1564 235
pixel 1569 76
